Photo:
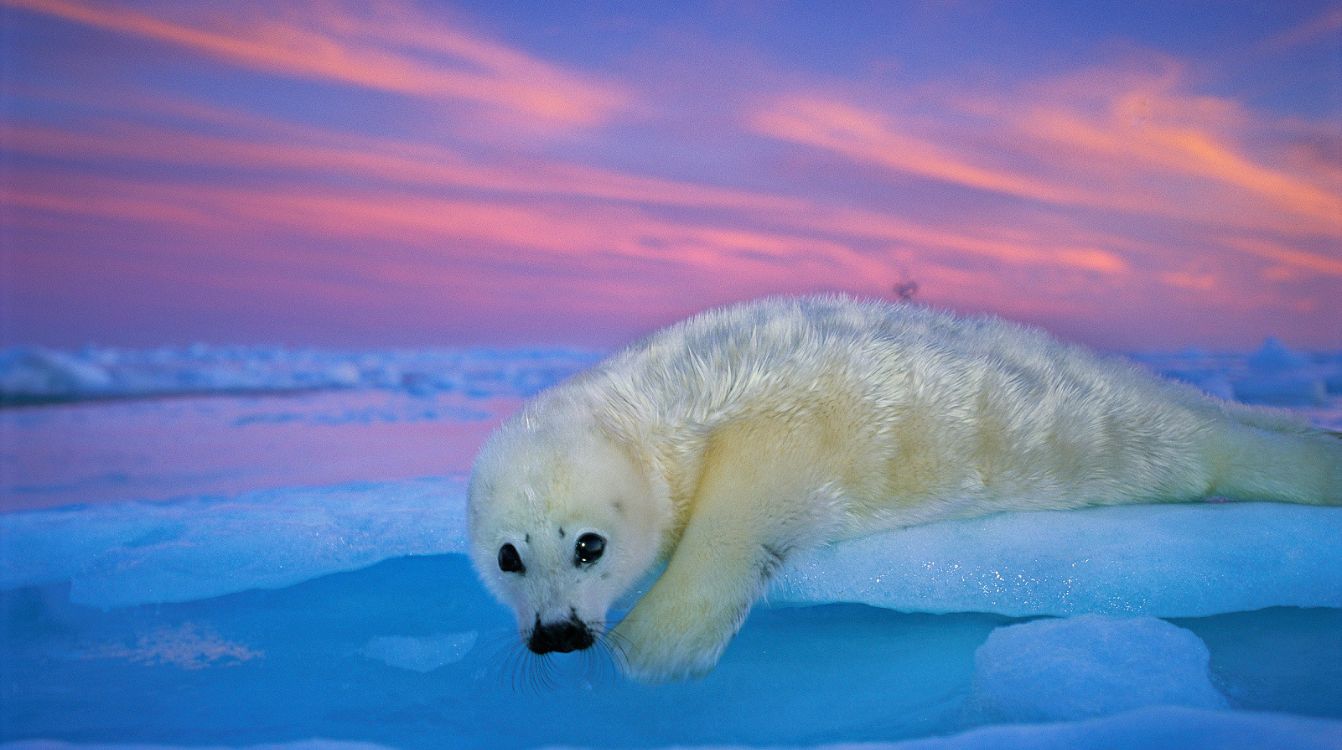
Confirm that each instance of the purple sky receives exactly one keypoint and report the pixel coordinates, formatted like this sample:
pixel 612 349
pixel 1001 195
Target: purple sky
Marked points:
pixel 1130 175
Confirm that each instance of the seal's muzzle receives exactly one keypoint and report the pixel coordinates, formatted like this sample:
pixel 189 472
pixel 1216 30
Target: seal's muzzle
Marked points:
pixel 569 635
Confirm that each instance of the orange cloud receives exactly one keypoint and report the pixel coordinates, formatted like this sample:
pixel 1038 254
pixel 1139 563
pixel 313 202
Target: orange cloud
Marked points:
pixel 335 46
pixel 1106 139
pixel 315 153
pixel 1193 282
pixel 872 138
pixel 1286 255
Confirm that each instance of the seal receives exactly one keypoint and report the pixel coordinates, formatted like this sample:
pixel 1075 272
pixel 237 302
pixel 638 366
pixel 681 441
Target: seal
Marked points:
pixel 725 443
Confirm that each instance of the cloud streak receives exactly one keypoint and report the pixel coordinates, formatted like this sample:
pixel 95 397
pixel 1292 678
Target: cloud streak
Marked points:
pixel 441 64
pixel 1119 191
pixel 1137 148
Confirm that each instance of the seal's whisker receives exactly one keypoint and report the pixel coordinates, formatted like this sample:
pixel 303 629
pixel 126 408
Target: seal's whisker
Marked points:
pixel 617 646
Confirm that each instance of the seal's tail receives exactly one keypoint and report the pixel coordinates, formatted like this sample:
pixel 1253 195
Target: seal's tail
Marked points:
pixel 1291 463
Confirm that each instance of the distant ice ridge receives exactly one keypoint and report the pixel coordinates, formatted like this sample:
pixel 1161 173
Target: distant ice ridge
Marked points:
pixel 1163 561
pixel 1274 375
pixel 37 375
pixel 1163 728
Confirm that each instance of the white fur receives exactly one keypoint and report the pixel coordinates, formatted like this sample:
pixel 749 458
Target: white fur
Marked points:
pixel 724 443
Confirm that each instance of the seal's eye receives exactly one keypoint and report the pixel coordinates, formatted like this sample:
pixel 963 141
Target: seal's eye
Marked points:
pixel 510 561
pixel 590 546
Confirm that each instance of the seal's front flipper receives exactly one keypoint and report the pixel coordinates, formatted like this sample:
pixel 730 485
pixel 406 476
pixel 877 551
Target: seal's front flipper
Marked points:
pixel 683 624
pixel 752 507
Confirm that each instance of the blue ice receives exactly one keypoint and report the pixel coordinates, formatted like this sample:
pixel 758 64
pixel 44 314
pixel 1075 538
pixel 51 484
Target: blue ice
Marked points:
pixel 342 615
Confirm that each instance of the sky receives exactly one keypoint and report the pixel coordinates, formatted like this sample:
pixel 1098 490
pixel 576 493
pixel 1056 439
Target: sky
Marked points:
pixel 1134 176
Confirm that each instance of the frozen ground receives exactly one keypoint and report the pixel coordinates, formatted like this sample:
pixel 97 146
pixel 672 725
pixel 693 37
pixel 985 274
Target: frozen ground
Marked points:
pixel 246 547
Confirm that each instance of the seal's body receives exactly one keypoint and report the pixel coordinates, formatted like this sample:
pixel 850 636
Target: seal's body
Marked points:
pixel 724 443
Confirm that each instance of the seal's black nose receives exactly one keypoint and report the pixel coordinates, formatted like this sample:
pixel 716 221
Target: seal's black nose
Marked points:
pixel 568 635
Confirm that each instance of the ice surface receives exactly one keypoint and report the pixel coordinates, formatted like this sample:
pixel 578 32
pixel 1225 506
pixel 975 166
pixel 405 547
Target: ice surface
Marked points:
pixel 266 665
pixel 133 553
pixel 300 745
pixel 1164 728
pixel 423 653
pixel 1087 666
pixel 1166 561
pixel 37 375
pixel 1162 560
pixel 272 601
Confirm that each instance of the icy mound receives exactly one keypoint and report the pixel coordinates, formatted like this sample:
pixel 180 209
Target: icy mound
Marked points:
pixel 1088 666
pixel 136 553
pixel 34 375
pixel 420 653
pixel 1165 561
pixel 1161 560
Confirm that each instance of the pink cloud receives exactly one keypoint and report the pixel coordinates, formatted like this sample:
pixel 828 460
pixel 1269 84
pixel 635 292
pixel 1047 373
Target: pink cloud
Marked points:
pixel 306 151
pixel 346 46
pixel 1116 192
pixel 1116 140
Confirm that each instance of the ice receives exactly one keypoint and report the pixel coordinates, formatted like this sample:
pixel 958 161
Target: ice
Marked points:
pixel 134 553
pixel 33 375
pixel 1279 376
pixel 298 661
pixel 1274 356
pixel 1166 561
pixel 421 654
pixel 1274 374
pixel 1087 666
pixel 1161 560
pixel 300 574
pixel 187 646
pixel 34 372
pixel 1281 390
pixel 300 745
pixel 1164 728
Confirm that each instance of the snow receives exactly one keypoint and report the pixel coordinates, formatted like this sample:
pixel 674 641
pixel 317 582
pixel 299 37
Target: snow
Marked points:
pixel 1165 560
pixel 1168 561
pixel 280 557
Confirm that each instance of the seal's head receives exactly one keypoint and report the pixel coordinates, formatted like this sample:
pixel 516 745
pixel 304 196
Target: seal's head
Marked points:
pixel 563 521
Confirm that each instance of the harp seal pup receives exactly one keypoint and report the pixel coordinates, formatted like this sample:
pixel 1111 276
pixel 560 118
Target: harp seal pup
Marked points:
pixel 725 443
